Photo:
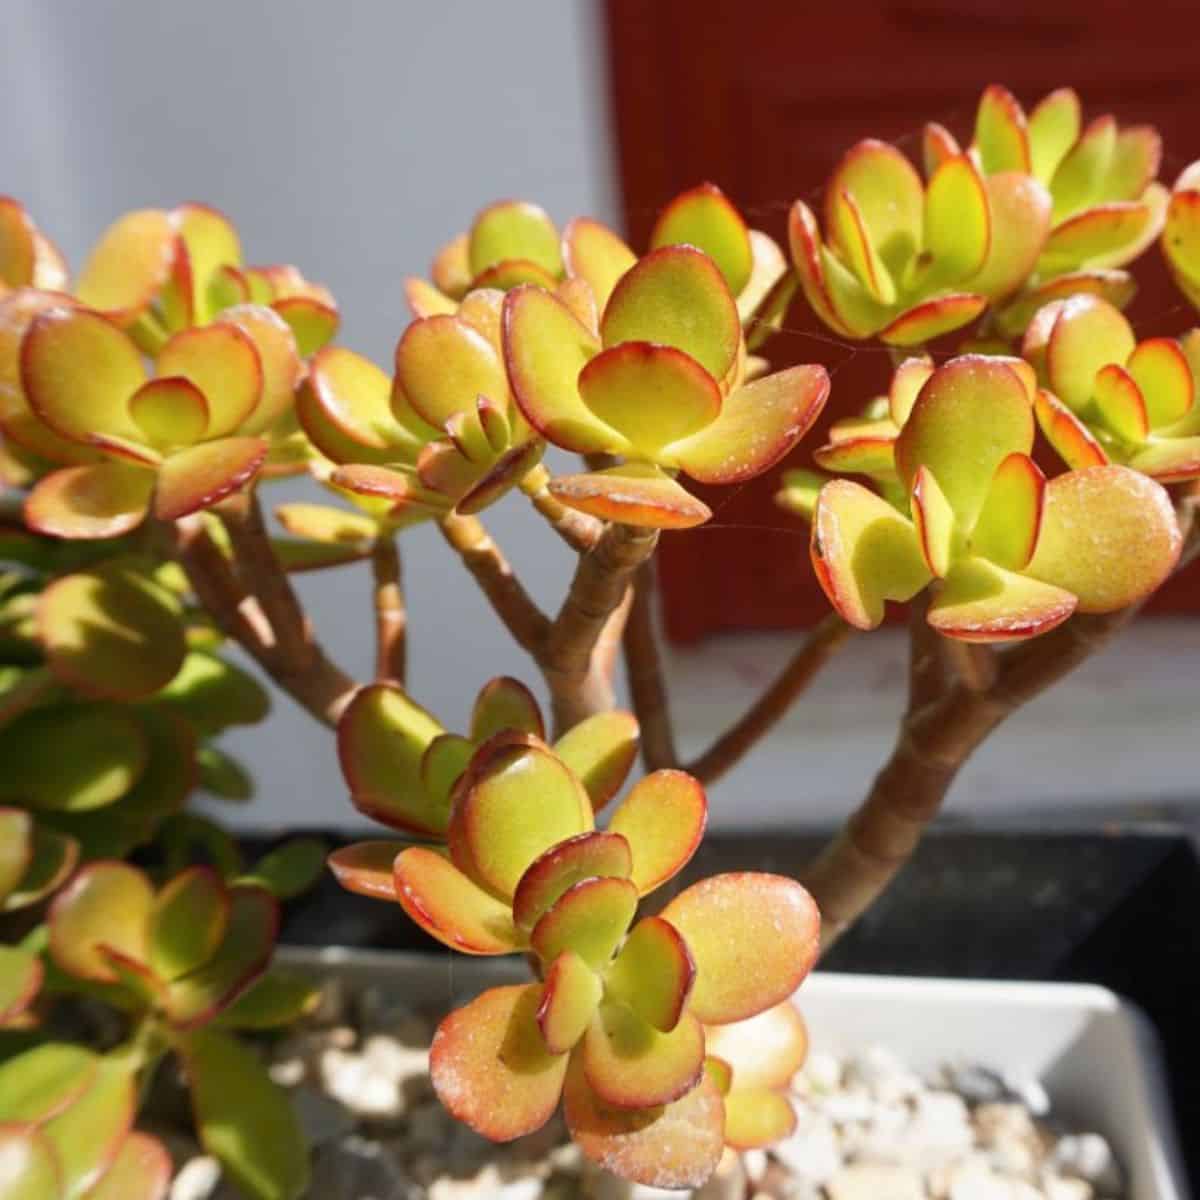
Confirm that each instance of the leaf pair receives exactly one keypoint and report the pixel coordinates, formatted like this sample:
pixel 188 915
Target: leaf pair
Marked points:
pixel 402 766
pixel 66 1117
pixel 908 261
pixel 1014 554
pixel 443 433
pixel 156 273
pixel 1106 207
pixel 658 383
pixel 177 442
pixel 1112 398
pixel 186 951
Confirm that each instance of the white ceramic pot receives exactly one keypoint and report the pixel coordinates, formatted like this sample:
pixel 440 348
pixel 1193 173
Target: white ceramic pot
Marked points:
pixel 1096 1054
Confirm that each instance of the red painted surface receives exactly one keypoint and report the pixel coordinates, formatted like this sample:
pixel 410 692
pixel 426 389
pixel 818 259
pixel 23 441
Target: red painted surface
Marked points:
pixel 764 98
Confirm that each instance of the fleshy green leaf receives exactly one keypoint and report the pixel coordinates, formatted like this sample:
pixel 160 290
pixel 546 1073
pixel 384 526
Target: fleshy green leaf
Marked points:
pixel 1072 440
pixel 107 904
pixel 239 959
pixel 757 1117
pixel 889 195
pixel 982 602
pixel 1011 517
pixel 758 424
pixel 653 973
pixel 933 519
pixel 590 918
pixel 513 229
pixel 677 297
pixel 1160 369
pixel 631 1064
pixel 864 552
pixel 957 221
pixel 71 759
pixel 753 936
pixel 1000 133
pixel 1109 536
pixel 1119 402
pixel 545 348
pixel 100 500
pixel 594 253
pixel 522 803
pixel 141 1170
pixel 381 738
pixel 20 978
pixel 276 999
pixel 41 1082
pixel 187 921
pixel 505 703
pixel 223 363
pixel 490 1066
pixel 290 869
pixel 703 217
pixel 79 371
pixel 214 694
pixel 970 416
pixel 652 395
pixel 28 1165
pixel 129 265
pixel 663 819
pixel 585 856
pixel 600 752
pixel 201 475
pixel 569 999
pixel 1054 127
pixel 451 907
pixel 111 632
pixel 244 1119
pixel 169 412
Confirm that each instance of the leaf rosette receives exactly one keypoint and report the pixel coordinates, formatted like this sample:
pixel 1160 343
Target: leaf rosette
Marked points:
pixel 1012 553
pixel 615 1023
pixel 1106 205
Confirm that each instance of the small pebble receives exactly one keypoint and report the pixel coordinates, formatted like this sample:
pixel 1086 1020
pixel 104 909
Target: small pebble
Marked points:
pixel 864 1181
pixel 1088 1156
pixel 197 1179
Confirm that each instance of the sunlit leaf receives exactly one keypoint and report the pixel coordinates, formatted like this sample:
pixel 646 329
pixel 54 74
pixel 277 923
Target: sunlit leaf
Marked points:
pixel 570 996
pixel 663 819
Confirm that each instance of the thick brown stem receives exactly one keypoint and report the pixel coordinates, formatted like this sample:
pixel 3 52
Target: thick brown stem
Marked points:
pixel 511 602
pixel 577 529
pixel 643 665
pixel 825 640
pixel 320 686
pixel 265 579
pixel 391 615
pixel 596 591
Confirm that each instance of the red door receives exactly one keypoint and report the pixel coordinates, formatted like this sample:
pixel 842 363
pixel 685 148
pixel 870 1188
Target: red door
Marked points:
pixel 763 98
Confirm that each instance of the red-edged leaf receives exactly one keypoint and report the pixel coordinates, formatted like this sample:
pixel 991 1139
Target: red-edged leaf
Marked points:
pixel 630 1064
pixel 764 1051
pixel 753 936
pixel 569 999
pixel 676 1146
pixel 663 819
pixel 198 477
pixel 589 918
pixel 1074 443
pixel 600 751
pixel 982 602
pixel 632 494
pixel 367 868
pixel 451 907
pixel 102 500
pixel 490 1066
pixel 653 973
pixel 585 856
pixel 758 424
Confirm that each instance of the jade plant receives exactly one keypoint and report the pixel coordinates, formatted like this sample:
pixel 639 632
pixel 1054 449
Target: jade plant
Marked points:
pixel 1022 484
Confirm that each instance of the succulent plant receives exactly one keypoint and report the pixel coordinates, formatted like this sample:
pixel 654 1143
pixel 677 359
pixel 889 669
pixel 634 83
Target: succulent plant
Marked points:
pixel 443 434
pixel 157 272
pixel 146 406
pixel 1107 206
pixel 1109 397
pixel 908 261
pixel 1013 555
pixel 615 1023
pixel 66 1128
pixel 660 384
